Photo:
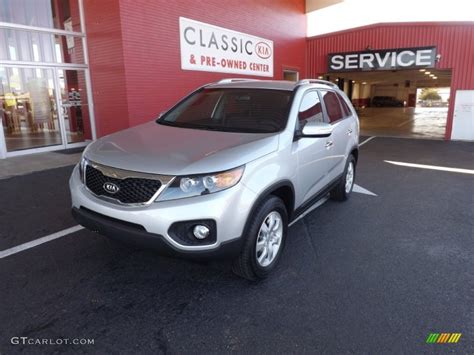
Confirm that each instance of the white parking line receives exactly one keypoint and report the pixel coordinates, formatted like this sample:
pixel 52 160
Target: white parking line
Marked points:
pixel 67 231
pixel 361 190
pixel 356 188
pixel 366 141
pixel 36 242
pixel 432 167
pixel 316 205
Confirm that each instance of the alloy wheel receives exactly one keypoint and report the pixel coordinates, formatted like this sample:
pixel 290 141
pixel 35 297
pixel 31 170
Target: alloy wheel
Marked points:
pixel 349 177
pixel 269 239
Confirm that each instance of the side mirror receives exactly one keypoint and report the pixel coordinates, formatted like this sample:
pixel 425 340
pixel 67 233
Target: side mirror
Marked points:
pixel 315 129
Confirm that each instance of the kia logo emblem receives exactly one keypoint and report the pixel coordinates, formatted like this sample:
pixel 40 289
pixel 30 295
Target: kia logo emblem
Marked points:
pixel 263 50
pixel 111 188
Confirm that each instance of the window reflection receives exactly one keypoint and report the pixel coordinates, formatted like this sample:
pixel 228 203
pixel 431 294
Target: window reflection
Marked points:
pixel 59 14
pixel 28 108
pixel 40 47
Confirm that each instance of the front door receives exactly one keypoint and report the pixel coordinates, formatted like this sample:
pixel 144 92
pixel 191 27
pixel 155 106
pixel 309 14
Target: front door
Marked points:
pixel 310 152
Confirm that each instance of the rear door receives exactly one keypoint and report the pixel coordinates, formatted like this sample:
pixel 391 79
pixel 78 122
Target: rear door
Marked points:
pixel 336 147
pixel 351 122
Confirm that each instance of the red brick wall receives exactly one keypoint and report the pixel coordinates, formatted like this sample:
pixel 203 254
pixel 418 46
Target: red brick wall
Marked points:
pixel 137 59
pixel 106 63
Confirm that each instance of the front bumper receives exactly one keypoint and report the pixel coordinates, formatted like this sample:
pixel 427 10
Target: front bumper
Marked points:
pixel 151 223
pixel 133 234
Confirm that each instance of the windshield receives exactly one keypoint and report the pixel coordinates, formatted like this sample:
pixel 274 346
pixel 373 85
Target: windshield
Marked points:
pixel 232 110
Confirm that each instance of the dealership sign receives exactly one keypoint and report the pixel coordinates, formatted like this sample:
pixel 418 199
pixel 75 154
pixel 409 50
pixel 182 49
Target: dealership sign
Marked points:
pixel 210 48
pixel 388 59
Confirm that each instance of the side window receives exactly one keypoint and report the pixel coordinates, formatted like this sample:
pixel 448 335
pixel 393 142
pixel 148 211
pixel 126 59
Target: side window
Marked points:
pixel 333 108
pixel 310 109
pixel 345 109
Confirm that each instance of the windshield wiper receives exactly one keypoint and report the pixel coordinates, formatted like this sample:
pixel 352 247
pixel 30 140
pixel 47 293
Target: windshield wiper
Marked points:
pixel 189 125
pixel 214 128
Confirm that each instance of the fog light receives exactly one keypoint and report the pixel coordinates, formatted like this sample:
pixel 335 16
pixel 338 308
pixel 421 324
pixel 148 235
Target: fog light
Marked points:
pixel 200 231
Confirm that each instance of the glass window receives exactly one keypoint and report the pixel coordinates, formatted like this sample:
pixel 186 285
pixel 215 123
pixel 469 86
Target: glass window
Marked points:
pixel 310 108
pixel 232 110
pixel 28 108
pixel 196 107
pixel 345 109
pixel 68 49
pixel 74 105
pixel 59 14
pixel 35 112
pixel 33 46
pixel 333 108
pixel 26 46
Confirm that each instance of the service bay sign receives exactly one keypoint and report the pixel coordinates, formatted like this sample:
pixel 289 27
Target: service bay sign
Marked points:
pixel 210 48
pixel 387 59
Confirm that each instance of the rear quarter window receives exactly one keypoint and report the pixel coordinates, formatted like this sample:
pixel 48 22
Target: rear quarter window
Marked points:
pixel 333 107
pixel 345 109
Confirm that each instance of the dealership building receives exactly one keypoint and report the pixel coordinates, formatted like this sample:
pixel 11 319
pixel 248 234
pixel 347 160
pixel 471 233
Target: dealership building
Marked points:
pixel 75 70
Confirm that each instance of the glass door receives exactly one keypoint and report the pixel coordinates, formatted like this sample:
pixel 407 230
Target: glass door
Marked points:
pixel 28 108
pixel 74 105
pixel 43 73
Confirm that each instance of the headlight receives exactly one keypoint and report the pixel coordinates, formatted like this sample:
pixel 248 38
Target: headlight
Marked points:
pixel 82 168
pixel 195 185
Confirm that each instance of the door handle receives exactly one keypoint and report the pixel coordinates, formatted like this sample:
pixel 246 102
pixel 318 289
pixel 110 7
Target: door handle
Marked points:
pixel 329 144
pixel 349 132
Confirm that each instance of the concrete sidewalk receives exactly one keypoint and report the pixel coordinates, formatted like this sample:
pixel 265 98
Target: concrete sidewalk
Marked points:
pixel 26 164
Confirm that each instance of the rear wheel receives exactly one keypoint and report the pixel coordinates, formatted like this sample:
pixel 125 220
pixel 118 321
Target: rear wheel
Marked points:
pixel 265 239
pixel 344 188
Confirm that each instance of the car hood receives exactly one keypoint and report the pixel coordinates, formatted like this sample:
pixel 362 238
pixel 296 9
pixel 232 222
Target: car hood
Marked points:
pixel 160 149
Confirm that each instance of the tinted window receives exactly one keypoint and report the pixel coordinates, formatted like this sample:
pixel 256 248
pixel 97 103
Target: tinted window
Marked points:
pixel 333 107
pixel 195 108
pixel 345 109
pixel 234 110
pixel 310 108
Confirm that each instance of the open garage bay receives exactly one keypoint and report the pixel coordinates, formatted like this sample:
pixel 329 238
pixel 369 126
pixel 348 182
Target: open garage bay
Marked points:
pixel 409 122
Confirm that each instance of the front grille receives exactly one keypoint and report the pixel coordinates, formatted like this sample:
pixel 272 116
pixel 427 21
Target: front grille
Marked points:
pixel 130 190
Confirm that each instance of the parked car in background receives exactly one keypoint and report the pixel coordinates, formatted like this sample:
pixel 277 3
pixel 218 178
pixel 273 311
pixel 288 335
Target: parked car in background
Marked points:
pixel 433 103
pixel 223 172
pixel 386 101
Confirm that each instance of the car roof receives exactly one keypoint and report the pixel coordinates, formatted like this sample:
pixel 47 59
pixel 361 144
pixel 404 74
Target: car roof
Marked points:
pixel 268 84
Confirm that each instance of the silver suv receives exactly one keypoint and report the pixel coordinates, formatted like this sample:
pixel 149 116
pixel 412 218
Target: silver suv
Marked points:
pixel 223 172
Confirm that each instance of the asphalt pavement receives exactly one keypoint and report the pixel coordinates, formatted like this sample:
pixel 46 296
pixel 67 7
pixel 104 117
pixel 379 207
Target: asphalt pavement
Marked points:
pixel 375 274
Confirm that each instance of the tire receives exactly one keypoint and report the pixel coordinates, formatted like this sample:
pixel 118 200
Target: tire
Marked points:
pixel 247 264
pixel 342 192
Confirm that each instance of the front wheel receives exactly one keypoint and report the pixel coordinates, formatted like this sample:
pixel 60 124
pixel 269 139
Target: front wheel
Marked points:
pixel 265 239
pixel 344 188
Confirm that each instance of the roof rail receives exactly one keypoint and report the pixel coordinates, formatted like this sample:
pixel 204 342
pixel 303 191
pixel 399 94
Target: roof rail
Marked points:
pixel 316 81
pixel 233 80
